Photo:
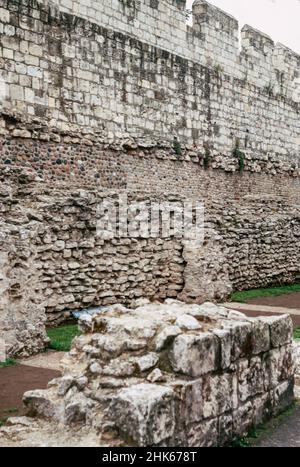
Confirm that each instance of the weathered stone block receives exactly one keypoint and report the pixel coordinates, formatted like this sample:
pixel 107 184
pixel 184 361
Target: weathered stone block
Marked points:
pixel 281 330
pixel 242 419
pixel 204 434
pixel 251 378
pixel 282 397
pixel 241 335
pixel 260 337
pixel 195 355
pixel 191 403
pixel 219 395
pixel 145 413
pixel 39 403
pixel 225 338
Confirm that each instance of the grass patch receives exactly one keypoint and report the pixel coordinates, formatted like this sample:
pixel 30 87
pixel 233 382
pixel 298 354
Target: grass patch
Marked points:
pixel 61 337
pixel 297 334
pixel 3 421
pixel 8 413
pixel 11 411
pixel 244 296
pixel 264 430
pixel 8 362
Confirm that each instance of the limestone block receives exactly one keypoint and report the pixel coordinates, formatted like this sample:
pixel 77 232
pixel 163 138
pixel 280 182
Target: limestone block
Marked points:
pixel 195 355
pixel 241 334
pixel 156 376
pixel 242 419
pixel 260 337
pixel 282 396
pixel 225 339
pixel 262 408
pixel 225 429
pixel 281 330
pixel 204 434
pixel 191 402
pixel 251 378
pixel 219 395
pixel 145 413
pixel 278 366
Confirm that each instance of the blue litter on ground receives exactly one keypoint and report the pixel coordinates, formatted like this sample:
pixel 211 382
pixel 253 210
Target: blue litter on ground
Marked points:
pixel 89 311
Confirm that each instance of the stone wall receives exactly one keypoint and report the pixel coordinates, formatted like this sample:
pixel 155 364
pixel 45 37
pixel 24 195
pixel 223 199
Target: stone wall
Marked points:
pixel 22 315
pixel 63 73
pixel 171 375
pixel 55 262
pixel 93 105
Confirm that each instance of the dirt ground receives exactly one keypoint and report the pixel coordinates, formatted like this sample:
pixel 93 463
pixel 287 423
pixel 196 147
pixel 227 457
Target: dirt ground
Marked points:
pixel 255 314
pixel 15 380
pixel 291 300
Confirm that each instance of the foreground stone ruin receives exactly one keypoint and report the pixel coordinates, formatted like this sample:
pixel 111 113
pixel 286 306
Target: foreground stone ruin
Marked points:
pixel 165 375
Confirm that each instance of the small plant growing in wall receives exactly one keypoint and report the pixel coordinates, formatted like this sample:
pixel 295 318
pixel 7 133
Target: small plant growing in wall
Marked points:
pixel 240 155
pixel 177 147
pixel 207 157
pixel 270 89
pixel 218 69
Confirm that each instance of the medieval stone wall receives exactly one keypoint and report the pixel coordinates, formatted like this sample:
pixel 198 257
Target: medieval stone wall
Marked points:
pixel 89 101
pixel 249 240
pixel 64 73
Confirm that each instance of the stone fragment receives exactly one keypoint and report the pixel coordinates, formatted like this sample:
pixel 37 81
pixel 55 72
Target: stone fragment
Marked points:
pixel 233 314
pixel 209 310
pixel 147 362
pixel 119 368
pixel 39 403
pixel 77 410
pixel 187 322
pixel 156 376
pixel 24 421
pixel 166 336
pixel 64 385
pixel 96 368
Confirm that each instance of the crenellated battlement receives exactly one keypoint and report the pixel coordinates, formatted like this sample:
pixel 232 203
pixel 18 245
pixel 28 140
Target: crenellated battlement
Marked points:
pixel 213 39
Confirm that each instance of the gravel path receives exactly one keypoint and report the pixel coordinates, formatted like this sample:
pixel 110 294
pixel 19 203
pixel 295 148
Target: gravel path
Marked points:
pixel 49 360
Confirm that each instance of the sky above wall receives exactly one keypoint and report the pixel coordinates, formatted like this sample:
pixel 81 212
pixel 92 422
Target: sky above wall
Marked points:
pixel 280 19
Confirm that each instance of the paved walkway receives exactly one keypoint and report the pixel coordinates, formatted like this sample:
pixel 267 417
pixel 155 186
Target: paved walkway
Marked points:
pixel 49 360
pixel 287 435
pixel 263 310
